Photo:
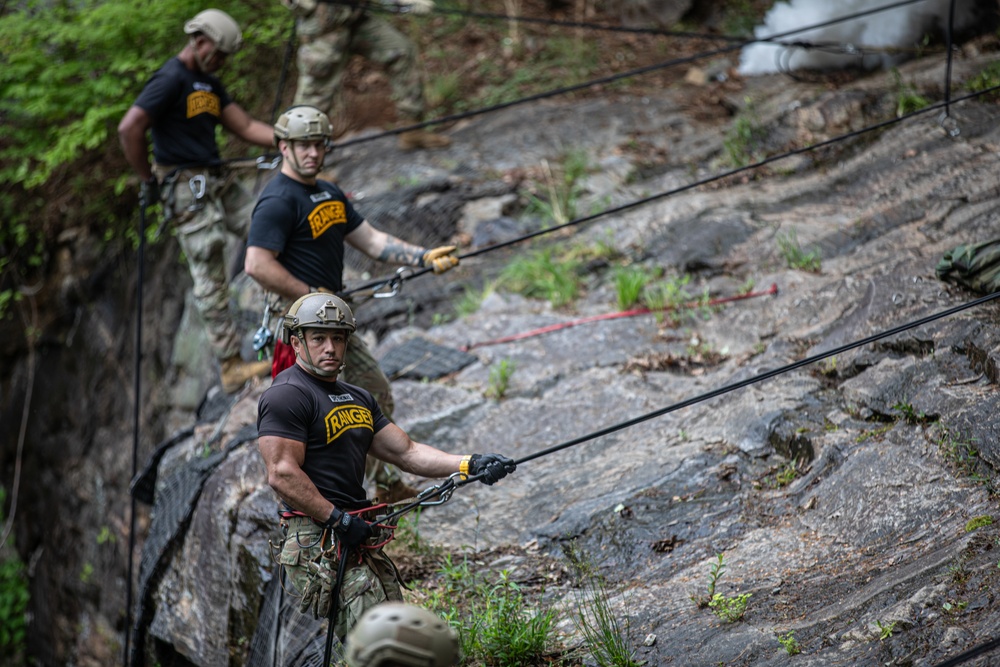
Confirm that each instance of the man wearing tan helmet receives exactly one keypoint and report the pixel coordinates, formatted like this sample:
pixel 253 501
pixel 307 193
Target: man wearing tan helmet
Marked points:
pixel 394 634
pixel 180 107
pixel 296 246
pixel 314 432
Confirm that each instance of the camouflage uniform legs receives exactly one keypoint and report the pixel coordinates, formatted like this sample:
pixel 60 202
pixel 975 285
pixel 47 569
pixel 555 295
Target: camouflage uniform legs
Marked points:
pixel 203 227
pixel 323 60
pixel 366 584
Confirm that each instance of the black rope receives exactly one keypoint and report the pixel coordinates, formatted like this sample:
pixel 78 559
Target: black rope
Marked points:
pixel 970 654
pixel 947 75
pixel 397 278
pixel 622 75
pixel 136 387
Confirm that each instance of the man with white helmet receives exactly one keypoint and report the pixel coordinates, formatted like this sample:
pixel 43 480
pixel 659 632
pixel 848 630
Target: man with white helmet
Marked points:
pixel 394 634
pixel 296 246
pixel 180 107
pixel 314 432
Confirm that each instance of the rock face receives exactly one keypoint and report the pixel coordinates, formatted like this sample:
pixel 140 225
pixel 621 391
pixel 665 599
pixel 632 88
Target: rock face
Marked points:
pixel 839 492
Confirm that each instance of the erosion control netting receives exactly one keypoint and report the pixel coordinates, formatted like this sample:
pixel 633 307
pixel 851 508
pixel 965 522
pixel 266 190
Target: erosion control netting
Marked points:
pixel 173 506
pixel 285 637
pixel 419 358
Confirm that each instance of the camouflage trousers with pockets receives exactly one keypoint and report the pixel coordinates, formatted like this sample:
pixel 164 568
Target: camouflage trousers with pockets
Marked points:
pixel 204 224
pixel 323 60
pixel 308 557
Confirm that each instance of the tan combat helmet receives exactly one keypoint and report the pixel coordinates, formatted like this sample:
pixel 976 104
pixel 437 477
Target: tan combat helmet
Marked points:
pixel 302 123
pixel 394 633
pixel 219 27
pixel 317 310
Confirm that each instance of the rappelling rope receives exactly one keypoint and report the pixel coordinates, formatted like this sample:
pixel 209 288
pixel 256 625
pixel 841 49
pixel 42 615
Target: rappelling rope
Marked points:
pixel 401 275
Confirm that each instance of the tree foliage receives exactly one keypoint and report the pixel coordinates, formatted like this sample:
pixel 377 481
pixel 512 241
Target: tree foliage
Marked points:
pixel 69 69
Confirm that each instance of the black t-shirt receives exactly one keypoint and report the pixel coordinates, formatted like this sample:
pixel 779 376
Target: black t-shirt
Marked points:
pixel 336 420
pixel 306 225
pixel 185 107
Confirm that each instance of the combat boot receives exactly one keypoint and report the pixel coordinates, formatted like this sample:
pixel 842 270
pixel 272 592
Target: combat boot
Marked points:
pixel 416 139
pixel 236 372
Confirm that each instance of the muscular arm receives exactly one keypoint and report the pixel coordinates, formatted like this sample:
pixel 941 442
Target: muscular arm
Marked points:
pixel 393 445
pixel 263 266
pixel 243 125
pixel 385 247
pixel 132 136
pixel 284 459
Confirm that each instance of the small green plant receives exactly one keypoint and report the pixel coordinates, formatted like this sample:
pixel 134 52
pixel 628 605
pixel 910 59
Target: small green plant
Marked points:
pixel 471 300
pixel 956 607
pixel 629 283
pixel 728 608
pixel 503 631
pixel 669 298
pixel 988 77
pixel 786 474
pixel 499 380
pixel 910 414
pixel 745 140
pixel 978 522
pixel 543 276
pixel 795 256
pixel 908 99
pixel 790 643
pixel 562 189
pixel 14 597
pixel 885 629
pixel 604 633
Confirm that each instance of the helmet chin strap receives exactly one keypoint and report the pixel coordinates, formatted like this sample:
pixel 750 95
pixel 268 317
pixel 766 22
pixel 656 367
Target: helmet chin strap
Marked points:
pixel 197 55
pixel 307 361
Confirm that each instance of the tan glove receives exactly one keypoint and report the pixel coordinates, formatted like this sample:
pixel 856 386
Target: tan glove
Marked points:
pixel 441 258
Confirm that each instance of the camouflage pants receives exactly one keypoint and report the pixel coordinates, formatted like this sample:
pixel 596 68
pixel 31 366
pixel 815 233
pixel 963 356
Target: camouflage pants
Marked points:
pixel 308 558
pixel 203 225
pixel 323 59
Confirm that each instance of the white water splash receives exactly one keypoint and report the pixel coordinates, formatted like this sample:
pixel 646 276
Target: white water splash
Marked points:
pixel 902 27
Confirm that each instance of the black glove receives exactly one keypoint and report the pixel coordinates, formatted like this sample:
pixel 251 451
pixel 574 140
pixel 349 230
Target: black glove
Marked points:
pixel 149 191
pixel 351 530
pixel 492 467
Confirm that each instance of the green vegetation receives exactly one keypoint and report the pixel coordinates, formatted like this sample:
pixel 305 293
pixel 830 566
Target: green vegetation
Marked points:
pixel 978 522
pixel 471 300
pixel 728 608
pixel 988 77
pixel 557 205
pixel 14 597
pixel 540 275
pixel 629 283
pixel 744 142
pixel 795 256
pixel 885 629
pixel 908 99
pixel 790 643
pixel 70 71
pixel 499 380
pixel 604 634
pixel 496 627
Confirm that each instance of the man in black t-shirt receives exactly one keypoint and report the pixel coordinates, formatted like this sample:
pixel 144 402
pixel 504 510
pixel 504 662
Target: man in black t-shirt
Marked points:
pixel 314 434
pixel 180 107
pixel 296 246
